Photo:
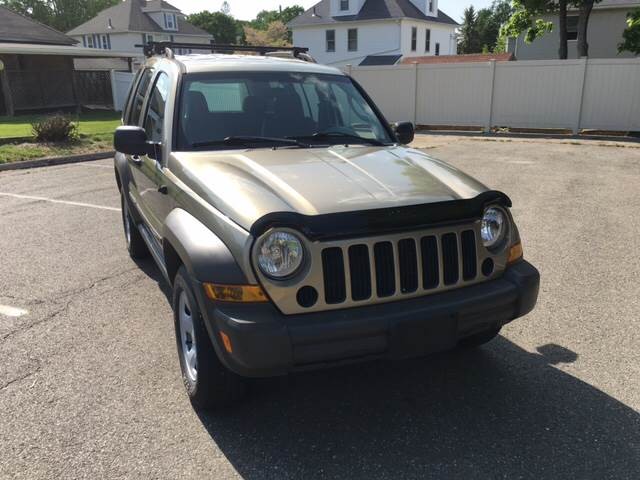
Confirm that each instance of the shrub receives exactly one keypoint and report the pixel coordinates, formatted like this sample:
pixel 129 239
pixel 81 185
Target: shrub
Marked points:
pixel 56 128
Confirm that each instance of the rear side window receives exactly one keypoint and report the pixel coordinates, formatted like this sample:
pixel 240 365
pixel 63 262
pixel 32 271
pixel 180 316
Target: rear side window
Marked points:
pixel 154 122
pixel 138 97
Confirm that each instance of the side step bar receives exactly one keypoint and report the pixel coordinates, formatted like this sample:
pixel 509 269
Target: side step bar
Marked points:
pixel 155 248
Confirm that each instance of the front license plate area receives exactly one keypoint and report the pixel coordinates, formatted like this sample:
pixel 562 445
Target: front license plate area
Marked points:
pixel 415 338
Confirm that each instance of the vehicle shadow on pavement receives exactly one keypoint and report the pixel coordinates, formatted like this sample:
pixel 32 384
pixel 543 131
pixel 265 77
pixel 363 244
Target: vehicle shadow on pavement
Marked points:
pixel 495 412
pixel 150 269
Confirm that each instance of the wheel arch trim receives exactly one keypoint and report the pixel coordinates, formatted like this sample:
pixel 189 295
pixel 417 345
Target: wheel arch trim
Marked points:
pixel 203 254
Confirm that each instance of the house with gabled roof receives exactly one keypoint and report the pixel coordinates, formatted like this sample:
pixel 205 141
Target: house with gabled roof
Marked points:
pixel 374 32
pixel 134 22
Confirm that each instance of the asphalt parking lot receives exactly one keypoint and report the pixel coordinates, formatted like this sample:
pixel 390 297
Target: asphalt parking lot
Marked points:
pixel 90 384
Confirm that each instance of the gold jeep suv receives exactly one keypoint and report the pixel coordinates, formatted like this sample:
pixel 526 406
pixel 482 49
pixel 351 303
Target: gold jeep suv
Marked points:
pixel 297 228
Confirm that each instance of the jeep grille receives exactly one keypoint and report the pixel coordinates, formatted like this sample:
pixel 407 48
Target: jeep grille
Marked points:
pixel 395 269
pixel 363 271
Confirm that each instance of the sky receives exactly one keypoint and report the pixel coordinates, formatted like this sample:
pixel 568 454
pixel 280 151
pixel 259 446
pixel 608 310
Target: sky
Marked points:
pixel 247 9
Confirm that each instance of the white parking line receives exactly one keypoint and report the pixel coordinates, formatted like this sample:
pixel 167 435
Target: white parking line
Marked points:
pixel 8 311
pixel 64 202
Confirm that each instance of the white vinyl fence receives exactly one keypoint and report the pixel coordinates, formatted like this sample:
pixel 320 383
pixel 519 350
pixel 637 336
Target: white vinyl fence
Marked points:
pixel 120 85
pixel 601 94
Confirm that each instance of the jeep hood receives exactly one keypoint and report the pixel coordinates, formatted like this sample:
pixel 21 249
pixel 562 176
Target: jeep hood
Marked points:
pixel 245 185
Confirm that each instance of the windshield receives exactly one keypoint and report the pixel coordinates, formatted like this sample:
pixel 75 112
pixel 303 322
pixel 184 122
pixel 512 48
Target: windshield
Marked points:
pixel 260 109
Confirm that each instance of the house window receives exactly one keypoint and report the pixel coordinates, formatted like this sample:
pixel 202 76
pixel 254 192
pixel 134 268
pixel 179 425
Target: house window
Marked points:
pixel 331 40
pixel 414 38
pixel 105 43
pixel 427 42
pixel 344 5
pixel 572 27
pixel 352 40
pixel 431 6
pixel 170 21
pixel 90 41
pixel 437 49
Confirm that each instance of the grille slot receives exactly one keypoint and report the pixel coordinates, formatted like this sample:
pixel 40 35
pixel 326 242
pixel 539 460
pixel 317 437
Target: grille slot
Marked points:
pixel 469 255
pixel 333 270
pixel 385 269
pixel 430 268
pixel 408 263
pixel 360 272
pixel 449 258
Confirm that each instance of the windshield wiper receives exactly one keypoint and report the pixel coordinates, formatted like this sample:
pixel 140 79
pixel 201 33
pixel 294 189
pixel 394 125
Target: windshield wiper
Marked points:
pixel 328 135
pixel 248 140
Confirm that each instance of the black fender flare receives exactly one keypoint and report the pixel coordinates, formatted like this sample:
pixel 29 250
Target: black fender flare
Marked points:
pixel 204 255
pixel 122 171
pixel 123 178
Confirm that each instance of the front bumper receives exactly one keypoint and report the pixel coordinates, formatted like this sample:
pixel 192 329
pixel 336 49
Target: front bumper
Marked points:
pixel 267 343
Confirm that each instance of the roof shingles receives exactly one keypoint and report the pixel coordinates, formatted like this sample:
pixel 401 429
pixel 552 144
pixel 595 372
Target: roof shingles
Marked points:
pixel 129 17
pixel 320 14
pixel 16 28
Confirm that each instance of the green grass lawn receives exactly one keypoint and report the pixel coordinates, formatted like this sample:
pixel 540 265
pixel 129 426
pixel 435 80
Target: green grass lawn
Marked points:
pixel 95 129
pixel 90 124
pixel 30 151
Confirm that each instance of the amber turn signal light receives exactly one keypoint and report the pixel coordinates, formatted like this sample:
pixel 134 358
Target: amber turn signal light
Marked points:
pixel 235 293
pixel 226 341
pixel 515 253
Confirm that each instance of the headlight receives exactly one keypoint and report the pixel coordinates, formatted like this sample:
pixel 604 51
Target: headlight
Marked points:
pixel 280 254
pixel 494 227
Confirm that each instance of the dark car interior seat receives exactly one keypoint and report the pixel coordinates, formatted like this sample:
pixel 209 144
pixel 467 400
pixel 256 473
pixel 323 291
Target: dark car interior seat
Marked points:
pixel 254 109
pixel 195 122
pixel 288 118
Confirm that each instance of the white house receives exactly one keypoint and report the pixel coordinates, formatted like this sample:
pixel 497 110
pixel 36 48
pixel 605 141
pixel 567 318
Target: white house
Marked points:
pixel 374 32
pixel 134 22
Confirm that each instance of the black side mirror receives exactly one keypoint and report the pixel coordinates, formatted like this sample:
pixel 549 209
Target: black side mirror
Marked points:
pixel 404 132
pixel 132 141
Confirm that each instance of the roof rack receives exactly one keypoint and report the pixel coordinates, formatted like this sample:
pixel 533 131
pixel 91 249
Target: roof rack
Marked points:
pixel 166 48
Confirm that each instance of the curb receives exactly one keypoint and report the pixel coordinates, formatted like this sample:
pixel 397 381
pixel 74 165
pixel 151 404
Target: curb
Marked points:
pixel 46 162
pixel 10 140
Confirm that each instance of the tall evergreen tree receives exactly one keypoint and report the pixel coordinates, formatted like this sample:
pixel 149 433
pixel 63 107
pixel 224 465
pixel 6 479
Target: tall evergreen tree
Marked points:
pixel 469 35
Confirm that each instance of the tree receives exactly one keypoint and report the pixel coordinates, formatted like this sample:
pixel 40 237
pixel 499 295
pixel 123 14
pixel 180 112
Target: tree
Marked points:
pixel 267 17
pixel 276 34
pixel 223 27
pixel 225 8
pixel 585 9
pixel 631 34
pixel 469 35
pixel 488 22
pixel 62 15
pixel 563 49
pixel 527 19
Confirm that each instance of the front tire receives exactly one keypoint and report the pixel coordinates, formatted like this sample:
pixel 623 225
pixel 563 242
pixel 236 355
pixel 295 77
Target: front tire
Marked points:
pixel 209 384
pixel 135 243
